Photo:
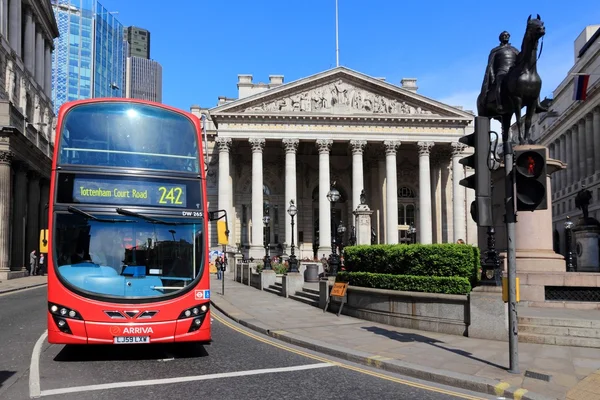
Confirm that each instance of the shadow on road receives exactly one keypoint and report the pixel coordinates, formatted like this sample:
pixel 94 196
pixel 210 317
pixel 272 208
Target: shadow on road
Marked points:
pixel 413 337
pixel 5 375
pixel 71 353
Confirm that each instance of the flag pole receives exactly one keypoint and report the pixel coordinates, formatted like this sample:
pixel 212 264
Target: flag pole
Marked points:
pixel 337 47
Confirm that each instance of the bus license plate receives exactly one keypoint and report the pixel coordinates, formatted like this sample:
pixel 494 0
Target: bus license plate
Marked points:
pixel 131 339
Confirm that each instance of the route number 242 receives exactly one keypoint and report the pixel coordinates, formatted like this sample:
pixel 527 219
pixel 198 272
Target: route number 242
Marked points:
pixel 170 196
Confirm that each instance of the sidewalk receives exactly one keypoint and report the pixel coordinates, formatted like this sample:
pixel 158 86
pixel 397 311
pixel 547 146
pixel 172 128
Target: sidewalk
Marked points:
pixel 12 285
pixel 473 364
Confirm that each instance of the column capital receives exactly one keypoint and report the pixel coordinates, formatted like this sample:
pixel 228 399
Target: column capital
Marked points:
pixel 33 175
pixel 290 145
pixel 457 148
pixel 257 144
pixel 324 145
pixel 589 116
pixel 596 110
pixel 224 143
pixel 358 146
pixel 6 157
pixel 391 146
pixel 425 148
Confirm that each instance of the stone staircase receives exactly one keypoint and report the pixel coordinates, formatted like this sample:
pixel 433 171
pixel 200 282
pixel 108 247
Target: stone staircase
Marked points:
pixel 559 330
pixel 275 289
pixel 308 296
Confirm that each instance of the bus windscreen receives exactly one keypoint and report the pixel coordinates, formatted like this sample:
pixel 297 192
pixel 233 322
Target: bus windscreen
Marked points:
pixel 128 135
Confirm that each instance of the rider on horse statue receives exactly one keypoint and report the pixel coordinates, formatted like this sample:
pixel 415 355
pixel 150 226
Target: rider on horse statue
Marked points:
pixel 499 62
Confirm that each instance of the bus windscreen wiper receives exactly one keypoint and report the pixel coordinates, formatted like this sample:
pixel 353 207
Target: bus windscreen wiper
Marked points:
pixel 142 216
pixel 75 210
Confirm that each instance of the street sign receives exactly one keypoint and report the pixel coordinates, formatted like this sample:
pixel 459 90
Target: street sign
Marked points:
pixel 339 289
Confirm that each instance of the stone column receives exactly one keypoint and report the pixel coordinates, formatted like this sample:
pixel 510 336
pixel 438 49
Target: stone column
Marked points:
pixel 44 199
pixel 596 134
pixel 258 145
pixel 29 45
pixel 324 146
pixel 589 145
pixel 14 26
pixel 19 251
pixel 33 208
pixel 5 199
pixel 581 156
pixel 225 189
pixel 425 228
pixel 562 175
pixel 291 147
pixel 391 191
pixel 48 73
pixel 4 21
pixel 458 193
pixel 358 182
pixel 571 161
pixel 40 61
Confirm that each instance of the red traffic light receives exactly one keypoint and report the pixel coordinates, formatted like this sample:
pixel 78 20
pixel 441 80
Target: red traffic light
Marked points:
pixel 530 164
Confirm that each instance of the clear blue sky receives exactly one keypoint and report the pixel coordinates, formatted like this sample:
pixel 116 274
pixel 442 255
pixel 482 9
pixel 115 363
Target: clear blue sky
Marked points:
pixel 203 45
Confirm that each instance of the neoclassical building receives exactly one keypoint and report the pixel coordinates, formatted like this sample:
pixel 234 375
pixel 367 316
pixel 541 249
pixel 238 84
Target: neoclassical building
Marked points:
pixel 292 141
pixel 27 31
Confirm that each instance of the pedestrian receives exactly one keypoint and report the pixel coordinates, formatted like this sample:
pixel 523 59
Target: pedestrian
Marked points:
pixel 41 270
pixel 32 263
pixel 219 265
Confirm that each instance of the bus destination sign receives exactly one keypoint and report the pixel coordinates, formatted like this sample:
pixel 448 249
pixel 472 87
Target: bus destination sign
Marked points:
pixel 107 191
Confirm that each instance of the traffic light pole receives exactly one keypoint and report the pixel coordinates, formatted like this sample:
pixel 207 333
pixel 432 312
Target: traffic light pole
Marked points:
pixel 511 219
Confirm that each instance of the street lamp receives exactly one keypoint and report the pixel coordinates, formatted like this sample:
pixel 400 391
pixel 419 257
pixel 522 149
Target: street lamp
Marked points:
pixel 412 231
pixel 341 230
pixel 333 196
pixel 266 220
pixel 292 211
pixel 569 237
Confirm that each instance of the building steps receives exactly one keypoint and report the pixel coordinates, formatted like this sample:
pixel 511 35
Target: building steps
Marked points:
pixel 306 296
pixel 275 289
pixel 560 331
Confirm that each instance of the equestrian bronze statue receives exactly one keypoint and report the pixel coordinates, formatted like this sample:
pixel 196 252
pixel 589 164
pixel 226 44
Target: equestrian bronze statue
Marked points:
pixel 512 82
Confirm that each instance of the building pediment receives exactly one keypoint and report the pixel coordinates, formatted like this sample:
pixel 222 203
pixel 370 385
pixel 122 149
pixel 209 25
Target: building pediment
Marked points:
pixel 340 92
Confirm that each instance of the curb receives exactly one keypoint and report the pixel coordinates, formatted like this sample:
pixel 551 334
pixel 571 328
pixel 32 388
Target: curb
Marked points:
pixel 444 377
pixel 22 288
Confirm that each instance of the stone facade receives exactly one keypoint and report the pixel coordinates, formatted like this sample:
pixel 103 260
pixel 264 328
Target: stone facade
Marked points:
pixel 571 131
pixel 27 121
pixel 279 142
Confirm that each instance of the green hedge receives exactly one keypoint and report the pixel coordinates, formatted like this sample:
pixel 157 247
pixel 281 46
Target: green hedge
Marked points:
pixel 408 283
pixel 432 260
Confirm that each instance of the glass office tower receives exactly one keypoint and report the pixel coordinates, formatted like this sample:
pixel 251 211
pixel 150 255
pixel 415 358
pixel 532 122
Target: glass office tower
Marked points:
pixel 88 56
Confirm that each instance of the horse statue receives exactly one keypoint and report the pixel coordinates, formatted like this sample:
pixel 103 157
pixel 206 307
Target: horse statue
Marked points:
pixel 520 84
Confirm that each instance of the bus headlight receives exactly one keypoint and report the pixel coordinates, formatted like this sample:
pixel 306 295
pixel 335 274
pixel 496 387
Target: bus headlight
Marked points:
pixel 197 314
pixel 63 312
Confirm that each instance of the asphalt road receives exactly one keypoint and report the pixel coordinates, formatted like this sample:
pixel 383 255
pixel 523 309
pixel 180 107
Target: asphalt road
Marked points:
pixel 238 365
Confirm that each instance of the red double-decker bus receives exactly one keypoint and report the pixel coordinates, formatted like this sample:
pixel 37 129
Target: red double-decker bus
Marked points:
pixel 127 226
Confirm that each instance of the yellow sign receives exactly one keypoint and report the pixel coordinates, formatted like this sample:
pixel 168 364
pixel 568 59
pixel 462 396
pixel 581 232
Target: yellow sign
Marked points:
pixel 213 268
pixel 505 290
pixel 222 232
pixel 339 289
pixel 44 241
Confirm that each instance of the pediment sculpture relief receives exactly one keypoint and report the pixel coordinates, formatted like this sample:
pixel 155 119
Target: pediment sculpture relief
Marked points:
pixel 339 97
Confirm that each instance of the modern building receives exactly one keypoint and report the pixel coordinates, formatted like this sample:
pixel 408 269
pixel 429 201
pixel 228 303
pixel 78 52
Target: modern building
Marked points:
pixel 27 32
pixel 88 58
pixel 279 142
pixel 138 40
pixel 571 130
pixel 143 79
pixel 143 76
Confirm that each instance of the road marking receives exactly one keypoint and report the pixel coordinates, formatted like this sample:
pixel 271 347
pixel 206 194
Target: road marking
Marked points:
pixel 346 366
pixel 518 395
pixel 34 367
pixel 501 387
pixel 105 386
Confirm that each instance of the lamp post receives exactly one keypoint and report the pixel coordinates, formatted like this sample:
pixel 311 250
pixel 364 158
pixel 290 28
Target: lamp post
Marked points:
pixel 341 230
pixel 412 231
pixel 292 211
pixel 569 238
pixel 333 196
pixel 266 220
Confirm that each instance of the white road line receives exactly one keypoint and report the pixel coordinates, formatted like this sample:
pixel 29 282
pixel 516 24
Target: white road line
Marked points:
pixel 34 367
pixel 149 382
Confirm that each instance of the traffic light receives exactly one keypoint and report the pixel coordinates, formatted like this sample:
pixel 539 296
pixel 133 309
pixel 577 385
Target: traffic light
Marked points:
pixel 480 181
pixel 530 178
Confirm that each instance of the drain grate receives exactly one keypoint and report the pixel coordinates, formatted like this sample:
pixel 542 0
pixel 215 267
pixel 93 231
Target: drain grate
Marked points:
pixel 537 375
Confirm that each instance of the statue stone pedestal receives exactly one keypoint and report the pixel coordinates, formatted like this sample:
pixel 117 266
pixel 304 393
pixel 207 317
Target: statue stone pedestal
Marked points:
pixel 363 221
pixel 587 236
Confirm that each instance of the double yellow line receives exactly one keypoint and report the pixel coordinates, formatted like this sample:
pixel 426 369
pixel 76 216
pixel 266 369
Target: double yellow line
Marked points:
pixel 342 365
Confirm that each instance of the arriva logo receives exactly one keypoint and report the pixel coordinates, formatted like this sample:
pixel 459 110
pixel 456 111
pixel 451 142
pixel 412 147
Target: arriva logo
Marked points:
pixel 138 329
